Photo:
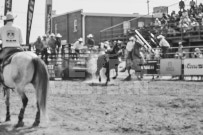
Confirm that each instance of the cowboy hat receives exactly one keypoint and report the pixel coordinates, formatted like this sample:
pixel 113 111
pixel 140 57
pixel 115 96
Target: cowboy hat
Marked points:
pixel 197 49
pixel 58 35
pixel 132 38
pixel 160 37
pixel 52 35
pixel 44 35
pixel 9 16
pixel 90 35
pixel 80 39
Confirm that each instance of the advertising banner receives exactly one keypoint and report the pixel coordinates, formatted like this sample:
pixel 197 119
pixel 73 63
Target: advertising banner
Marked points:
pixel 193 66
pixel 30 12
pixel 8 6
pixel 170 66
pixel 150 67
pixel 126 26
pixel 48 16
pixel 160 10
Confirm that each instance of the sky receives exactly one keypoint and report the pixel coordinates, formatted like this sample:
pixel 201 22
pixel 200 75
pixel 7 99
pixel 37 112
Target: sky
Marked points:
pixel 19 8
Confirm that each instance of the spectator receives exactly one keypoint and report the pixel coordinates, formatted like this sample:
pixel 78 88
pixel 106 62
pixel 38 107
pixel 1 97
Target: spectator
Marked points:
pixel 157 53
pixel 52 45
pixel 157 23
pixel 182 5
pixel 44 49
pixel 38 45
pixel 58 42
pixel 164 45
pixel 78 45
pixel 90 41
pixel 184 23
pixel 197 53
pixel 192 5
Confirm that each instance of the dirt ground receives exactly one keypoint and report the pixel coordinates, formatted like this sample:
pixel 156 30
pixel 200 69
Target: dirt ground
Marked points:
pixel 124 107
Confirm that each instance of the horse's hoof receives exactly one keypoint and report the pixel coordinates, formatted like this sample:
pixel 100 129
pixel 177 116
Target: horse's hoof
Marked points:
pixel 114 77
pixel 99 79
pixel 35 124
pixel 20 124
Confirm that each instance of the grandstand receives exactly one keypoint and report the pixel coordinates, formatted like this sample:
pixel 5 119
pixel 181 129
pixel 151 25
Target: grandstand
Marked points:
pixel 185 27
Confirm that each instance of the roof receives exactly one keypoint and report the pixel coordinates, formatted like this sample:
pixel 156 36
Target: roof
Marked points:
pixel 67 13
pixel 108 14
pixel 118 15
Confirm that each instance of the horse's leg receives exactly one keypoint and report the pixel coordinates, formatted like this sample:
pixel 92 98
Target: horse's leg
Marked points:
pixel 37 118
pixel 21 114
pixel 107 73
pixel 7 102
pixel 116 69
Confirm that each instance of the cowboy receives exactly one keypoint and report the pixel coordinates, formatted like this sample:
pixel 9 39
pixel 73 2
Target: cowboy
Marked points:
pixel 58 42
pixel 78 45
pixel 11 36
pixel 52 45
pixel 164 45
pixel 38 45
pixel 90 41
pixel 128 52
pixel 44 49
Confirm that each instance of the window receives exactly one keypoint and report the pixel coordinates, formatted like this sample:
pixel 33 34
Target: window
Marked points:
pixel 140 24
pixel 75 29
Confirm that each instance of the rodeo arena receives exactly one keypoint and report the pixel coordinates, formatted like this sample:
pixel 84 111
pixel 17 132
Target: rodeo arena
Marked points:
pixel 103 73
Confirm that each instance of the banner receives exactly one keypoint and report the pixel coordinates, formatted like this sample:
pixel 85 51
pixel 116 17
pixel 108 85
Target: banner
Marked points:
pixel 126 27
pixel 170 66
pixel 160 10
pixel 193 66
pixel 150 67
pixel 30 11
pixel 48 16
pixel 7 7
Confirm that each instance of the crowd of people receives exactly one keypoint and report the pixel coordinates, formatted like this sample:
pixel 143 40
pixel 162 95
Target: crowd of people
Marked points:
pixel 182 21
pixel 48 45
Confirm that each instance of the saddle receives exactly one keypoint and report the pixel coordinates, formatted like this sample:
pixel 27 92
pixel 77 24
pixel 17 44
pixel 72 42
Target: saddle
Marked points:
pixel 5 61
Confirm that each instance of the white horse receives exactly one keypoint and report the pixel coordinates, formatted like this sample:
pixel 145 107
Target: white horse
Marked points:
pixel 20 69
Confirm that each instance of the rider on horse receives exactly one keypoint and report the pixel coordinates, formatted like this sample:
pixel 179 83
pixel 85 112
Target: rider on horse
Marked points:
pixel 11 37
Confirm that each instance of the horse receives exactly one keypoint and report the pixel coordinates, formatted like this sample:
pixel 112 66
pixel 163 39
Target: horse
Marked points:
pixel 108 61
pixel 20 69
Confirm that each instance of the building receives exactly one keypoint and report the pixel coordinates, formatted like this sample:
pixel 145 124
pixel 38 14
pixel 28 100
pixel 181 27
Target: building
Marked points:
pixel 76 24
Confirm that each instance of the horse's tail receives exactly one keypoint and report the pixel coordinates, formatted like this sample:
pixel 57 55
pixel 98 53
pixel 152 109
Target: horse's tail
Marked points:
pixel 41 83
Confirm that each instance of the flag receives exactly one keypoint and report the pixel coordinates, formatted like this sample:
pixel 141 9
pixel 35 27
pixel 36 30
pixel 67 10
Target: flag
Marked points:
pixel 30 12
pixel 48 16
pixel 7 7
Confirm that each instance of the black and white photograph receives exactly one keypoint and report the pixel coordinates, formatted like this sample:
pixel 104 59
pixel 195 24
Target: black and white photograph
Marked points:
pixel 101 67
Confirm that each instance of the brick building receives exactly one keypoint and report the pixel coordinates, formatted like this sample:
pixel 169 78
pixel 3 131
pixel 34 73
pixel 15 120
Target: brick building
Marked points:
pixel 76 24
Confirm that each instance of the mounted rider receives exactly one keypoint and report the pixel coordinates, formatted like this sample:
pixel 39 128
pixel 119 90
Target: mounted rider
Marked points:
pixel 11 37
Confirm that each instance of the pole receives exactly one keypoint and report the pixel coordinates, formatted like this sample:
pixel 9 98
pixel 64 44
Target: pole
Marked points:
pixel 148 6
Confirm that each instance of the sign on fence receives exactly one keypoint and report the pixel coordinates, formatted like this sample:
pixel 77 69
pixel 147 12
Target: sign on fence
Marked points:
pixel 150 67
pixel 193 66
pixel 170 66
